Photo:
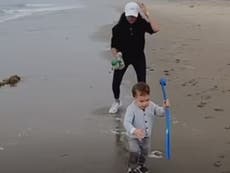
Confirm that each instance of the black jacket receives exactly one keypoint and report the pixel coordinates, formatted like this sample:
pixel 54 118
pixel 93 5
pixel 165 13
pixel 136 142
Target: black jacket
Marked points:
pixel 130 38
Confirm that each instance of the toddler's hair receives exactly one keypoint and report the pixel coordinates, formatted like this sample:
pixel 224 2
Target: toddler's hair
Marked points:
pixel 142 88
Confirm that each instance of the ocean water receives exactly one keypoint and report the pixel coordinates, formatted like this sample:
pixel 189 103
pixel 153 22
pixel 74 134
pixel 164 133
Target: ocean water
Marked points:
pixel 14 9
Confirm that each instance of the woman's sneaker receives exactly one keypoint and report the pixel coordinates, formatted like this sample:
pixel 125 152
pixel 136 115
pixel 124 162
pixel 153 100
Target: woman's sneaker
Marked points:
pixel 130 170
pixel 114 108
pixel 142 169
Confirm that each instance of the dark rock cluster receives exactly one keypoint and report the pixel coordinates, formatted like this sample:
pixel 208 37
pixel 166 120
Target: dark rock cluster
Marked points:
pixel 12 81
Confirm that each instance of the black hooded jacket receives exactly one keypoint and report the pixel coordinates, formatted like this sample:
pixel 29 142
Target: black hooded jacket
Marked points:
pixel 130 38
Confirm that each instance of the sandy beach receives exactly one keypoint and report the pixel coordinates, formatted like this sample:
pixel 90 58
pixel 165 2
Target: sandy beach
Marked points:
pixel 55 120
pixel 192 51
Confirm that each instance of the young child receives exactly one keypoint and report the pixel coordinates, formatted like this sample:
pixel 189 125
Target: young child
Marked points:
pixel 138 123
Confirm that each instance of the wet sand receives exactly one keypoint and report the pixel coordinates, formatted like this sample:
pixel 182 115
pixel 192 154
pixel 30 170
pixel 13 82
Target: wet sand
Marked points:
pixel 56 119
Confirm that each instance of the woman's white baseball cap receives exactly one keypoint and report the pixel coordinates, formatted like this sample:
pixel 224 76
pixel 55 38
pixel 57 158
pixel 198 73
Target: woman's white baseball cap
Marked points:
pixel 131 9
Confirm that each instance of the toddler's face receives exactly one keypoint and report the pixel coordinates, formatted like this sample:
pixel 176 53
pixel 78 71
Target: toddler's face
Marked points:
pixel 142 101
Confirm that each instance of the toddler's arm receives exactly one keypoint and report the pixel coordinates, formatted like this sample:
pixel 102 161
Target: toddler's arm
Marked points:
pixel 128 121
pixel 159 110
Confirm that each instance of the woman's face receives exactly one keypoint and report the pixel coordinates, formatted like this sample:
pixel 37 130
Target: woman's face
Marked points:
pixel 131 19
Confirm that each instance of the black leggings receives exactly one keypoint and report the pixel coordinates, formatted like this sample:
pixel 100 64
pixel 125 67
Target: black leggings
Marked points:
pixel 140 69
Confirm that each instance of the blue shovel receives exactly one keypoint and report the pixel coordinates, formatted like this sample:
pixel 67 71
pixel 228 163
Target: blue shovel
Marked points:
pixel 168 121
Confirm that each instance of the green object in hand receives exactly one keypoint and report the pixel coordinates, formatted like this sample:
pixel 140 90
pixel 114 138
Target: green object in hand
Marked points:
pixel 115 64
pixel 118 63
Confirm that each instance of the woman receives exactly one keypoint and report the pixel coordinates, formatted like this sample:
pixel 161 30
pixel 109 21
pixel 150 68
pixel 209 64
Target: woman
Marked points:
pixel 128 39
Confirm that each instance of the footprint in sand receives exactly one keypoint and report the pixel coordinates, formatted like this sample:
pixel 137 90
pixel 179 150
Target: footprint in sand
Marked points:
pixel 221 156
pixel 214 88
pixel 203 102
pixel 192 82
pixel 64 155
pixel 227 127
pixel 205 97
pixel 184 84
pixel 178 60
pixel 201 105
pixel 208 117
pixel 218 109
pixel 166 72
pixel 224 91
pixel 218 163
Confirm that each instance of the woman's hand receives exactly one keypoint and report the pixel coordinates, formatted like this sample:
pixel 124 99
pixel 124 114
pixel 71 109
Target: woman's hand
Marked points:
pixel 143 8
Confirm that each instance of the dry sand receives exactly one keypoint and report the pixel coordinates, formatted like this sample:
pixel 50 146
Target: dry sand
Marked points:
pixel 192 51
